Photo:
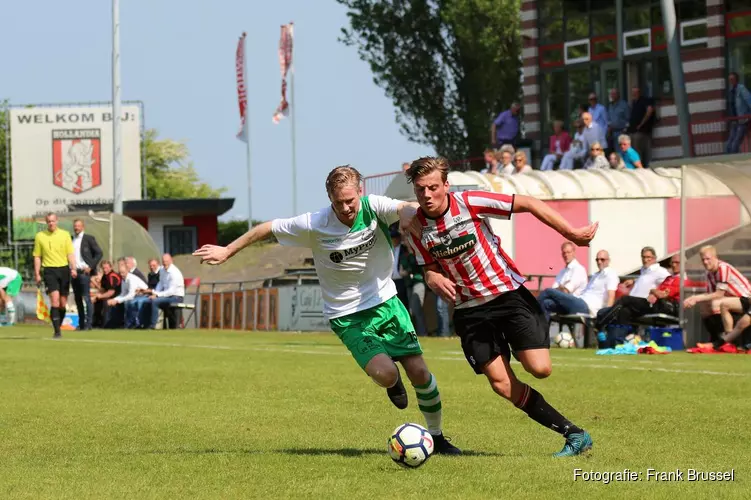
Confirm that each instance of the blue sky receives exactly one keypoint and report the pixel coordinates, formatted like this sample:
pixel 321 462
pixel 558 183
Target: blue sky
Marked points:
pixel 178 58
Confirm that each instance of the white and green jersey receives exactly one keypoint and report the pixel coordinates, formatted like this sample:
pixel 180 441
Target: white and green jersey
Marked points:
pixel 7 275
pixel 354 264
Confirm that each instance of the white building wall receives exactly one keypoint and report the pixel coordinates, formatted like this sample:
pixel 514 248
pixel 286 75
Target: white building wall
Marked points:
pixel 156 228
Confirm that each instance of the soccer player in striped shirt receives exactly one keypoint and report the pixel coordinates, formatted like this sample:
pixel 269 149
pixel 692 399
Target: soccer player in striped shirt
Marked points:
pixel 494 313
pixel 728 292
pixel 354 259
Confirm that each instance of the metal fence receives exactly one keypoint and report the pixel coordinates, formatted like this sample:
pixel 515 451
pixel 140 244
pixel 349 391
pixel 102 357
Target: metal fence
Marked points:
pixel 710 137
pixel 18 256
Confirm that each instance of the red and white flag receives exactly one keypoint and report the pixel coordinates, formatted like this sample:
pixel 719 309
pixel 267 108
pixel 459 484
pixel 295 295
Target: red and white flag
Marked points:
pixel 285 62
pixel 242 90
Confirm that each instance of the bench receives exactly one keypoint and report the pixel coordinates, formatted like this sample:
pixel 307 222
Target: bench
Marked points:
pixel 571 320
pixel 178 307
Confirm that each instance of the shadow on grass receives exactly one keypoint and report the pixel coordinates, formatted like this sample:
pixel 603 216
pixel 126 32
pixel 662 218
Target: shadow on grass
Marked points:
pixel 342 452
pixel 15 338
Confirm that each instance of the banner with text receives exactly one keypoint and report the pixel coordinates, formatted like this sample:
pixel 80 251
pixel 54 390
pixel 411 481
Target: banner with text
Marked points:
pixel 62 156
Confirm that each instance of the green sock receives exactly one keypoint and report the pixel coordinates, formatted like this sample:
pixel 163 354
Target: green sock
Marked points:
pixel 429 401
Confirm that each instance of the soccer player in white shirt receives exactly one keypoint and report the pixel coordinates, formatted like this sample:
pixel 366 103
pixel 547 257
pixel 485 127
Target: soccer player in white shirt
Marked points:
pixel 353 256
pixel 494 313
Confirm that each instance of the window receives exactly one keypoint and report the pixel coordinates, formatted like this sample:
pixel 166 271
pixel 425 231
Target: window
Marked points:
pixel 577 28
pixel 551 55
pixel 576 52
pixel 690 10
pixel 554 99
pixel 738 24
pixel 580 86
pixel 180 240
pixel 693 32
pixel 636 17
pixel 663 82
pixel 551 30
pixel 737 5
pixel 604 47
pixel 739 60
pixel 603 22
pixel 636 42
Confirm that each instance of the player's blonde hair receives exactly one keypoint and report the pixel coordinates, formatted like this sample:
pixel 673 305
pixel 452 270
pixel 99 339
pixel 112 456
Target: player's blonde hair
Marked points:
pixel 426 166
pixel 344 175
pixel 708 250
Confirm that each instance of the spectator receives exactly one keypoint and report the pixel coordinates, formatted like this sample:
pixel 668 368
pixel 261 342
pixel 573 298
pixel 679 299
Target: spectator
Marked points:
pixel 505 127
pixel 520 163
pixel 416 289
pixel 133 267
pixel 599 292
pixel 444 320
pixel 130 285
pixel 560 142
pixel 405 166
pixel 618 116
pixel 596 157
pixel 629 155
pixel 170 290
pixel 651 275
pixel 492 160
pixel 401 254
pixel 88 254
pixel 598 112
pixel 640 124
pixel 110 286
pixel 738 104
pixel 153 278
pixel 615 161
pixel 662 299
pixel 590 134
pixel 723 282
pixel 576 150
pixel 507 165
pixel 571 280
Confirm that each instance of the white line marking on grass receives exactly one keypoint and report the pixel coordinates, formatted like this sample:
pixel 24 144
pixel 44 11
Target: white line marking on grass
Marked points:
pixel 345 353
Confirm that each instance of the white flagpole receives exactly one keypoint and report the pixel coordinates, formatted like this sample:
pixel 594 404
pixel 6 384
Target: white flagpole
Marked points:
pixel 292 121
pixel 247 131
pixel 116 112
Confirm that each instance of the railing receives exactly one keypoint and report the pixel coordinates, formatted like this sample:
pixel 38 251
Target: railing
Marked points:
pixel 710 137
pixel 379 183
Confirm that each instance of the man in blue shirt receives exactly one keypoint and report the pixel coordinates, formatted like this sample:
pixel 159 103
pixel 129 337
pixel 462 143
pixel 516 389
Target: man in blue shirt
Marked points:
pixel 598 112
pixel 505 127
pixel 618 116
pixel 739 104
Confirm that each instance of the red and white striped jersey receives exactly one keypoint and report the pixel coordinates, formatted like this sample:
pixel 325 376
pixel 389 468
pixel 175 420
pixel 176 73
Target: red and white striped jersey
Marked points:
pixel 728 279
pixel 463 244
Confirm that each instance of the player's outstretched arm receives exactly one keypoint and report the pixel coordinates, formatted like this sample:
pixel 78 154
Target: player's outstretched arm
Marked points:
pixel 408 222
pixel 214 254
pixel 545 213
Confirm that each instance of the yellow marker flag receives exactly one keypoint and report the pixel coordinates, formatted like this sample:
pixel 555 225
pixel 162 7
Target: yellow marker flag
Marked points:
pixel 43 312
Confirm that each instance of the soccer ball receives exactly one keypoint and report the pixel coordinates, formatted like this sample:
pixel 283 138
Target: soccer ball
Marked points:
pixel 564 340
pixel 410 445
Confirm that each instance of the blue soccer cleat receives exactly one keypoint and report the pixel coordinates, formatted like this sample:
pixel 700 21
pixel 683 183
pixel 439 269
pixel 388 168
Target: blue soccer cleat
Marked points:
pixel 576 444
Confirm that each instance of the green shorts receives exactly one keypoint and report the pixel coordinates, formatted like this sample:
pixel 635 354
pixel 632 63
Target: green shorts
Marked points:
pixel 14 287
pixel 385 328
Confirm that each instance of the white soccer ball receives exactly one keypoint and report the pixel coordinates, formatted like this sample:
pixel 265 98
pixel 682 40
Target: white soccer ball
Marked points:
pixel 564 340
pixel 410 445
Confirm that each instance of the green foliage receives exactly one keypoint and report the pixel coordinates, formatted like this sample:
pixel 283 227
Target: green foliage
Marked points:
pixel 229 231
pixel 169 173
pixel 449 66
pixel 4 117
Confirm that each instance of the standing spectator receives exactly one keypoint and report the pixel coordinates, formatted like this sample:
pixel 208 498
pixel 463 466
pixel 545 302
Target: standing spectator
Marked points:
pixel 88 255
pixel 505 127
pixel 128 291
pixel 10 286
pixel 400 258
pixel 53 251
pixel 559 143
pixel 110 286
pixel 520 163
pixel 640 124
pixel 416 290
pixel 738 104
pixel 598 112
pixel 618 117
pixel 596 157
pixel 170 290
pixel 133 267
pixel 629 155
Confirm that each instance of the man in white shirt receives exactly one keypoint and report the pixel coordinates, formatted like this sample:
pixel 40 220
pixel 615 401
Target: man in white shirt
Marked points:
pixel 170 290
pixel 651 276
pixel 87 254
pixel 129 288
pixel 569 283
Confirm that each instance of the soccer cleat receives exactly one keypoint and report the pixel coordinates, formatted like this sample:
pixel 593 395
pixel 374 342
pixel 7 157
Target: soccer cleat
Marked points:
pixel 442 446
pixel 57 336
pixel 576 444
pixel 398 394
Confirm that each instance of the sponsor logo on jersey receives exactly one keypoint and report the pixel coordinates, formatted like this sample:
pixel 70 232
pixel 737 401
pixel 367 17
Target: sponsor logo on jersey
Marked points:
pixel 348 253
pixel 454 246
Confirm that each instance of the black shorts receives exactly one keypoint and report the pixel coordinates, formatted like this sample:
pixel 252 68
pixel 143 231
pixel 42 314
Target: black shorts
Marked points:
pixel 57 279
pixel 745 305
pixel 513 320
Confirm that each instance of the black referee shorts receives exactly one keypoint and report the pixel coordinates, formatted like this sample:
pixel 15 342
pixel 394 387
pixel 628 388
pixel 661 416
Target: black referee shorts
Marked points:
pixel 57 279
pixel 513 320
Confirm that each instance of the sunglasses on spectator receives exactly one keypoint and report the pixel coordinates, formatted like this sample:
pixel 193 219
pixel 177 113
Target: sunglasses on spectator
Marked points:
pixel 595 149
pixel 599 259
pixel 518 160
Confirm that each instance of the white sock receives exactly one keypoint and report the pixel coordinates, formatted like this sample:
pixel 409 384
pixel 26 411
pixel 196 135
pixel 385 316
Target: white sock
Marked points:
pixel 10 311
pixel 429 401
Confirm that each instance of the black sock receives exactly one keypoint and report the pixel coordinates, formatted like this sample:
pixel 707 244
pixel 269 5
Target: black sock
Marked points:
pixel 55 316
pixel 533 404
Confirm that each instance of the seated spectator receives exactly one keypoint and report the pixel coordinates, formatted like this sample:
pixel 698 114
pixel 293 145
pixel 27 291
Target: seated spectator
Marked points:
pixel 596 157
pixel 663 299
pixel 520 163
pixel 724 285
pixel 570 281
pixel 492 162
pixel 651 276
pixel 130 286
pixel 599 292
pixel 560 142
pixel 506 154
pixel 133 267
pixel 170 290
pixel 109 287
pixel 578 150
pixel 153 278
pixel 615 161
pixel 598 112
pixel 628 154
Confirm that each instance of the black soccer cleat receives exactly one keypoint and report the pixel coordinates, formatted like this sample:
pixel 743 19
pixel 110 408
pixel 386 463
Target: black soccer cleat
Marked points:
pixel 443 446
pixel 398 394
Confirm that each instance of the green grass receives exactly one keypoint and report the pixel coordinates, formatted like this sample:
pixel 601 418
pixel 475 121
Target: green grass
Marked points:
pixel 221 414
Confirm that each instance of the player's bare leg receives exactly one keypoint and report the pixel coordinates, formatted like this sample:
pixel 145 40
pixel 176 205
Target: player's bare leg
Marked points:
pixel 384 372
pixel 504 382
pixel 536 362
pixel 728 306
pixel 429 401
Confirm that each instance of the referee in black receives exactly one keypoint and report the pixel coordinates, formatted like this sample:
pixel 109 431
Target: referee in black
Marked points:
pixel 55 262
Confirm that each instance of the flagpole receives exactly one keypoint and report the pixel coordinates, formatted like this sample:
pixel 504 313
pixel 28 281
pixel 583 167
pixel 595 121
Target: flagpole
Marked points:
pixel 292 123
pixel 247 130
pixel 117 166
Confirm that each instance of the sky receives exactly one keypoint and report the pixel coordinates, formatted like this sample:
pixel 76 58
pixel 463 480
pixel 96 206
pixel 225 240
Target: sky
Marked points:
pixel 179 59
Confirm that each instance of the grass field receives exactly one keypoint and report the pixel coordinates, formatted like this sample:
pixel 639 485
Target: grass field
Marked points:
pixel 220 414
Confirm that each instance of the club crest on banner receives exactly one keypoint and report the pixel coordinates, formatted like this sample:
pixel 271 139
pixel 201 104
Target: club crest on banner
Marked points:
pixel 76 159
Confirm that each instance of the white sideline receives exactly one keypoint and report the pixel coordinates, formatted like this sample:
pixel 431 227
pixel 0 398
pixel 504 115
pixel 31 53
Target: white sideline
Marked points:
pixel 344 353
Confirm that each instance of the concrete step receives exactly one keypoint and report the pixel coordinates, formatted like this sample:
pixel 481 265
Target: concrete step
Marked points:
pixel 742 243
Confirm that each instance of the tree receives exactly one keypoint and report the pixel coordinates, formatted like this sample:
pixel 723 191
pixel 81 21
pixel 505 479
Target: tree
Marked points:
pixel 229 231
pixel 169 173
pixel 4 117
pixel 448 65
